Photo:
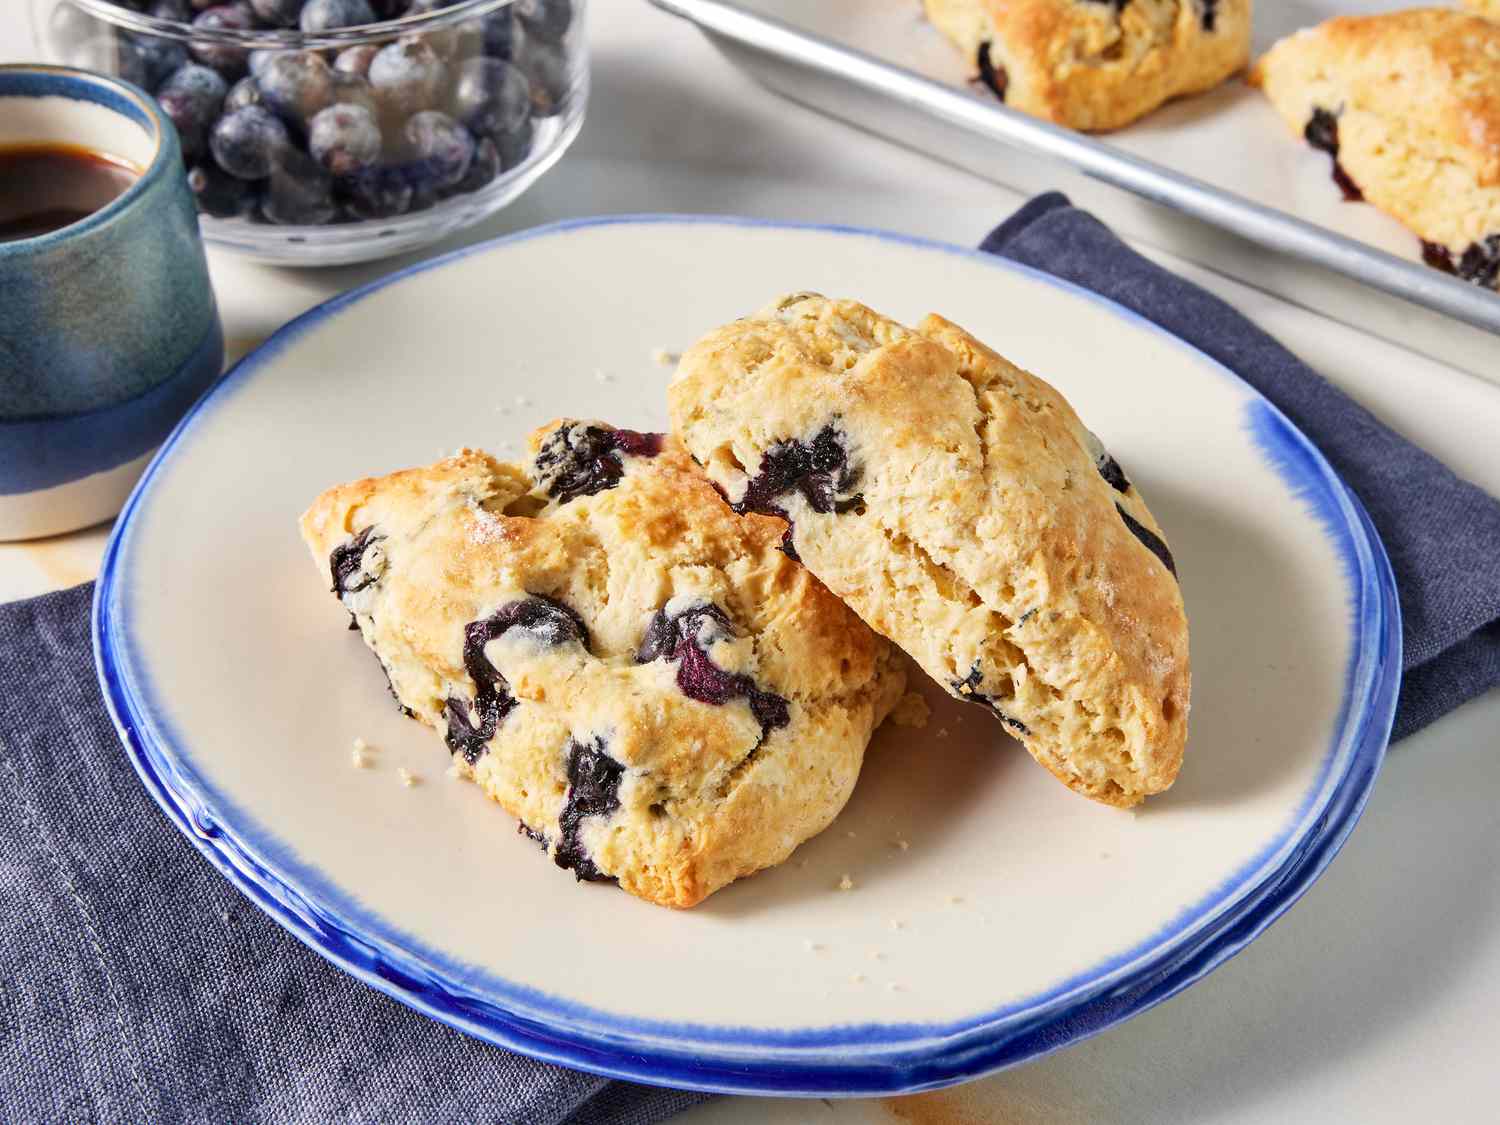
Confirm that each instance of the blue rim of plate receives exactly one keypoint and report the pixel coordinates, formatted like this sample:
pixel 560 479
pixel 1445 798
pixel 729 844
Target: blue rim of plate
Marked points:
pixel 848 1060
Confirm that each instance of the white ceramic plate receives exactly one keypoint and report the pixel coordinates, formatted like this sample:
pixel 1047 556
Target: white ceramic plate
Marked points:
pixel 1018 917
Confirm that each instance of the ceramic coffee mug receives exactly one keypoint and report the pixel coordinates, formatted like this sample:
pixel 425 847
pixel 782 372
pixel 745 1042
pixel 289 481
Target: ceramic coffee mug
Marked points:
pixel 108 328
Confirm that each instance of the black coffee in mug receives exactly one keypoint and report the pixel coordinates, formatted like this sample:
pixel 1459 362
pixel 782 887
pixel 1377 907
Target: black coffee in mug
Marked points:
pixel 45 187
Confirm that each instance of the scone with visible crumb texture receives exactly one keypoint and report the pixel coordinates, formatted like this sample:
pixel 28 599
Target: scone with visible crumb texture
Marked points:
pixel 959 505
pixel 630 668
pixel 1096 64
pixel 1408 105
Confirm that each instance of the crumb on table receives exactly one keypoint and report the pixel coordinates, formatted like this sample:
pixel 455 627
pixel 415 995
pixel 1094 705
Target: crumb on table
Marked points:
pixel 846 883
pixel 408 778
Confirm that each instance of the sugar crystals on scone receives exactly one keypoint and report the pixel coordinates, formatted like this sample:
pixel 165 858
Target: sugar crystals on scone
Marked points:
pixel 1096 64
pixel 959 505
pixel 633 670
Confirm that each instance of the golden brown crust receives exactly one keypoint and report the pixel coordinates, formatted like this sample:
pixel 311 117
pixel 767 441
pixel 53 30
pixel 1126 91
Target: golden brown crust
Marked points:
pixel 1433 72
pixel 1096 66
pixel 708 793
pixel 1416 100
pixel 976 530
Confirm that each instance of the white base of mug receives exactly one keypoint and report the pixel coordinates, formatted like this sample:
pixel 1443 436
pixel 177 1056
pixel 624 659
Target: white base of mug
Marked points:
pixel 68 507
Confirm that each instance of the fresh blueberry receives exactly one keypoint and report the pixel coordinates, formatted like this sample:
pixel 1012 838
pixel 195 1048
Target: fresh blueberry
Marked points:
pixel 485 167
pixel 257 60
pixel 968 689
pixel 686 637
pixel 491 97
pixel 159 58
pixel 593 790
pixel 454 42
pixel 356 60
pixel 380 193
pixel 345 139
pixel 547 67
pixel 581 460
pixel 408 76
pixel 277 13
pixel 545 19
pixel 501 33
pixel 439 150
pixel 192 97
pixel 297 84
pixel 249 142
pixel 328 15
pixel 219 194
pixel 514 147
pixel 227 58
pixel 244 93
pixel 1208 14
pixel 1149 538
pixel 299 192
pixel 353 89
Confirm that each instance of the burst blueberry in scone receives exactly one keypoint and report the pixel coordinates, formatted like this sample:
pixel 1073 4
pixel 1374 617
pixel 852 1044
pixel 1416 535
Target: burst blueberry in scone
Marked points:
pixel 960 507
pixel 1096 64
pixel 1408 106
pixel 633 670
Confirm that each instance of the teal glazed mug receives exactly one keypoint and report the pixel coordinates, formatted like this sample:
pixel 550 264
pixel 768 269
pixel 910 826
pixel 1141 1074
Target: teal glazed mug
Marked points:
pixel 109 329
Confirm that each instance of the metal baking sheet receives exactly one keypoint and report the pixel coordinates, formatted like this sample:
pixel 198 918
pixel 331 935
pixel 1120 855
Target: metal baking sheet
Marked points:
pixel 1223 158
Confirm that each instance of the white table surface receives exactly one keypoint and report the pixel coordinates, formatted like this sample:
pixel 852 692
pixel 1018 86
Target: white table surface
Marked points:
pixel 1378 996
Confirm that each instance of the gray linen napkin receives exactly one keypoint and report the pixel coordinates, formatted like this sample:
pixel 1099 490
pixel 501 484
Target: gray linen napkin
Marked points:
pixel 1441 532
pixel 140 986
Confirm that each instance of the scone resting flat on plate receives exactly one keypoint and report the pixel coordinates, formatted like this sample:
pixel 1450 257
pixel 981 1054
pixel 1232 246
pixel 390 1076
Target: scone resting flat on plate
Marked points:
pixel 1096 64
pixel 958 504
pixel 1408 105
pixel 634 671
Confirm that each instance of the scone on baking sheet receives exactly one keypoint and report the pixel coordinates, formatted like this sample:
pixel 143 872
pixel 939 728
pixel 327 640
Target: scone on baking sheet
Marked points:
pixel 630 668
pixel 1408 105
pixel 959 505
pixel 1096 64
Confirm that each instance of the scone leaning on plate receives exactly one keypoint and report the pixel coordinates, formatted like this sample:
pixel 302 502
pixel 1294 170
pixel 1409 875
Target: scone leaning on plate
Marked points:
pixel 960 506
pixel 630 668
pixel 1408 105
pixel 1096 65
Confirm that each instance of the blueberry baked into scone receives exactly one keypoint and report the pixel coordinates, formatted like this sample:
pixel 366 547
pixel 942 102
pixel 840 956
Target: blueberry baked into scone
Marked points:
pixel 628 666
pixel 1408 106
pixel 1096 64
pixel 957 503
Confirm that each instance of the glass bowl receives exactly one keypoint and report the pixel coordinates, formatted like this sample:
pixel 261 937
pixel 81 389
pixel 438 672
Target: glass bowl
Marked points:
pixel 321 145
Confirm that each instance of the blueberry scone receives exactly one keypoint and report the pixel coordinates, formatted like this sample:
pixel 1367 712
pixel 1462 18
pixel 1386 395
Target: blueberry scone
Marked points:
pixel 960 507
pixel 629 667
pixel 1096 64
pixel 1408 106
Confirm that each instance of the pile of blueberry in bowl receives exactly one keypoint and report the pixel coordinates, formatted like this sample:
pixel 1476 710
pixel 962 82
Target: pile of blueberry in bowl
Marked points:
pixel 321 132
